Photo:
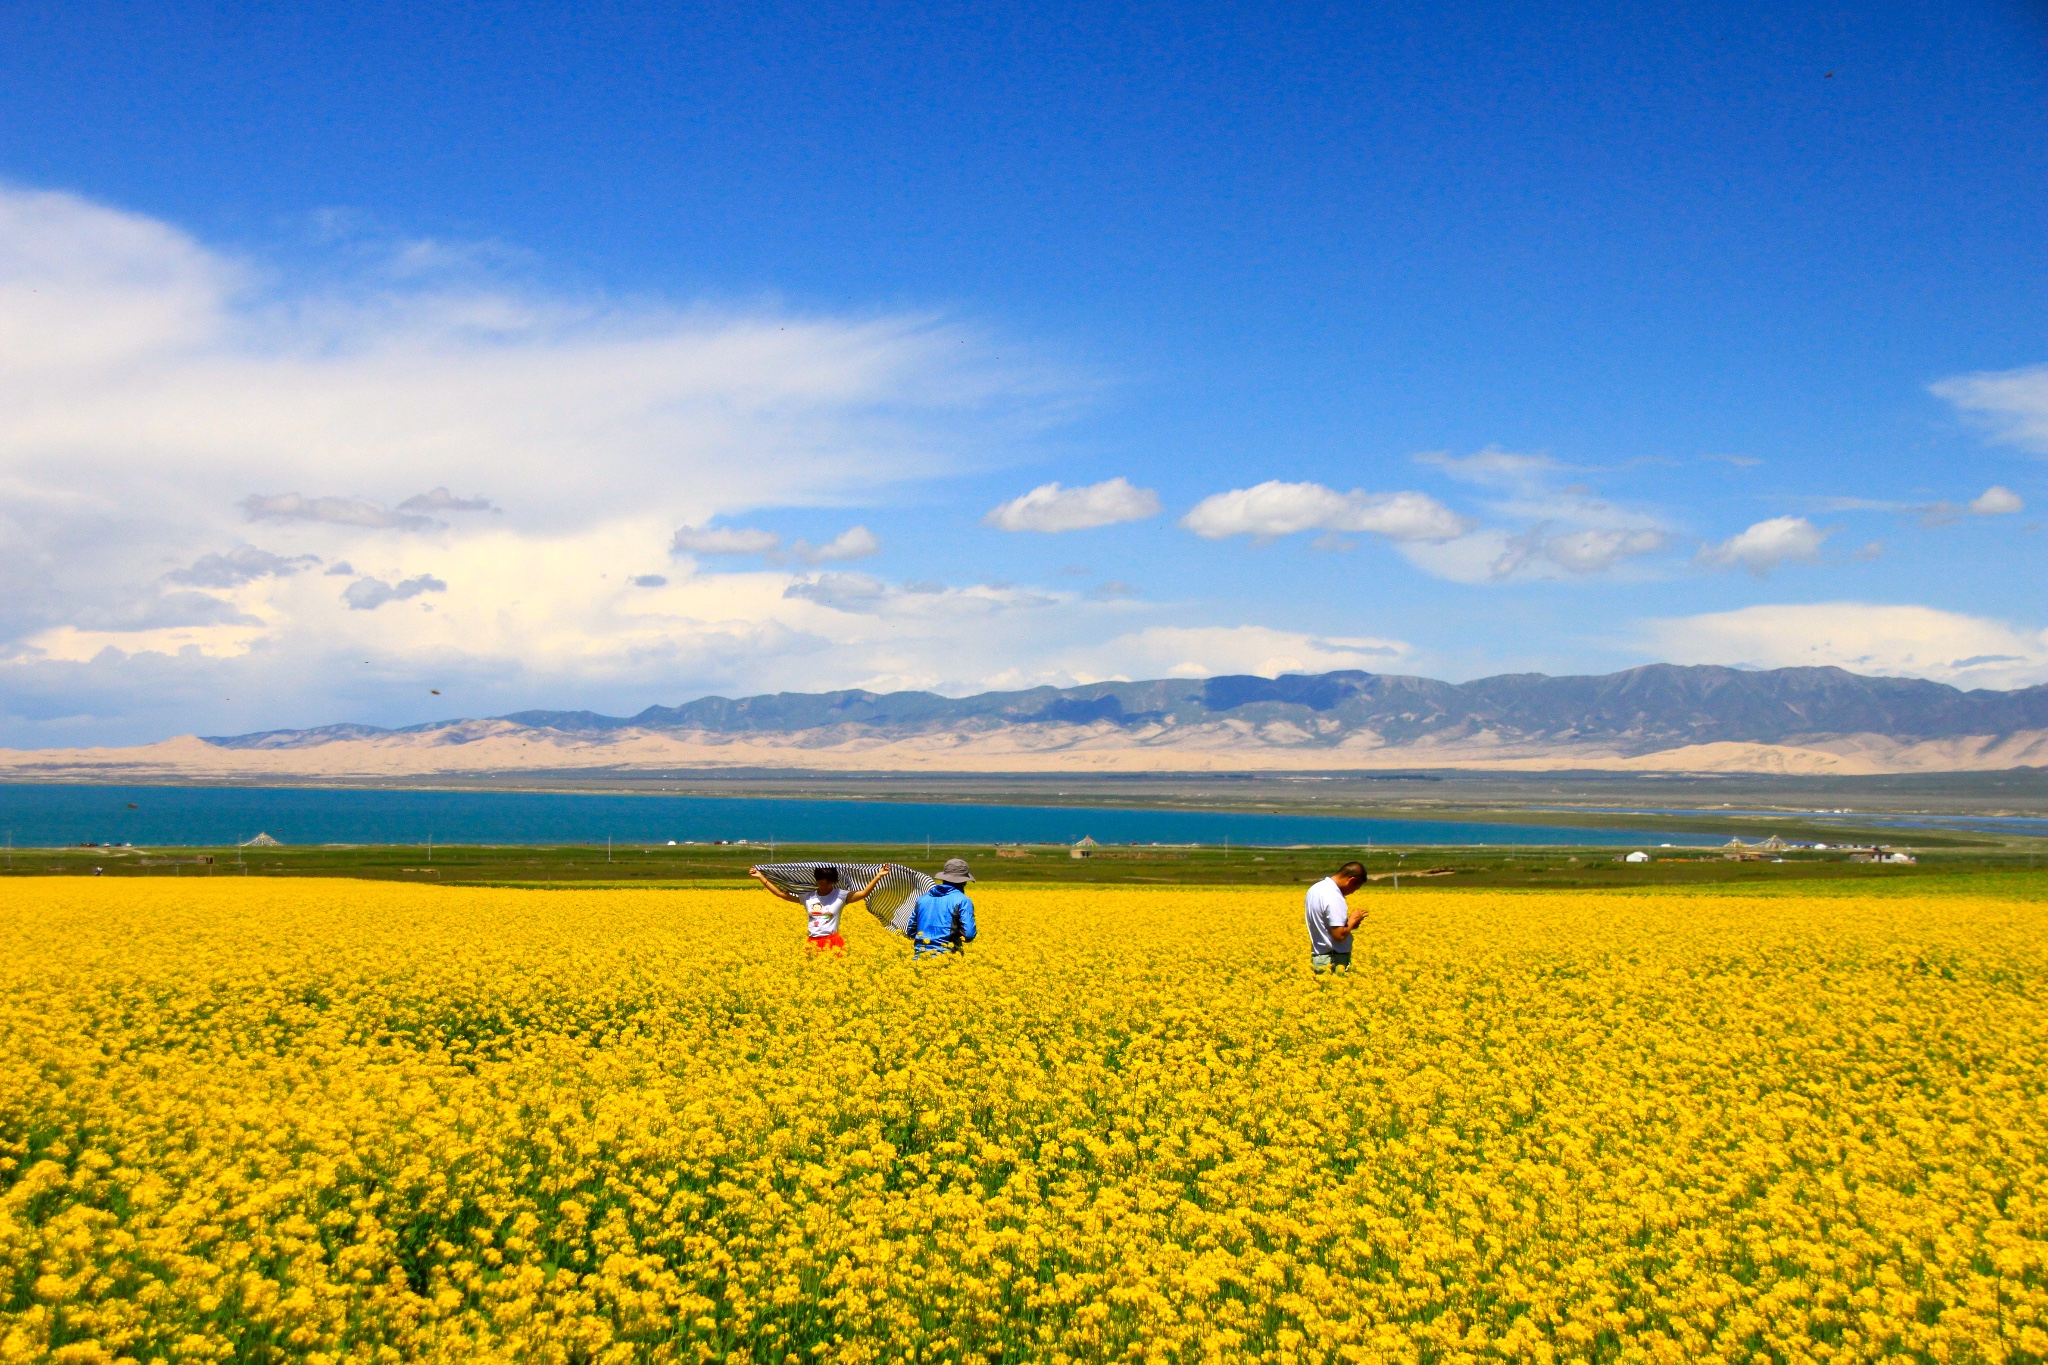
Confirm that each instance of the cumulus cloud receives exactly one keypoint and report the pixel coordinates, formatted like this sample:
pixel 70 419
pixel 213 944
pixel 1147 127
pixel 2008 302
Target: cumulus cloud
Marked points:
pixel 854 543
pixel 1207 651
pixel 1272 509
pixel 2013 404
pixel 723 540
pixel 1864 637
pixel 368 594
pixel 1053 509
pixel 243 564
pixel 1767 545
pixel 1997 501
pixel 157 396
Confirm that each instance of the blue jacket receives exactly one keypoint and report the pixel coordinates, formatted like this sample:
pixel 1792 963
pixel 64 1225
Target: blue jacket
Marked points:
pixel 942 920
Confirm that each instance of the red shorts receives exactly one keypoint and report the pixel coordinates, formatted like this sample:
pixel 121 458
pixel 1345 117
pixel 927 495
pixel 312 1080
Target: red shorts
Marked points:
pixel 829 943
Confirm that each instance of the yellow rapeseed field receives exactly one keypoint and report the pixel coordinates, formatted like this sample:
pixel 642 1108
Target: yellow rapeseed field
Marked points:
pixel 328 1120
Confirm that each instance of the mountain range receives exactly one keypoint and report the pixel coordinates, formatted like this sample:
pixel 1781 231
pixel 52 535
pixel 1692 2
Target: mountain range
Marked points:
pixel 1661 717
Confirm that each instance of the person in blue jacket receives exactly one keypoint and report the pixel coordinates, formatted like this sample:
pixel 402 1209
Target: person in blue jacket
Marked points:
pixel 943 919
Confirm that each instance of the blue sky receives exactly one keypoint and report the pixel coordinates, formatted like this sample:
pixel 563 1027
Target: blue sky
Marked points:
pixel 1638 336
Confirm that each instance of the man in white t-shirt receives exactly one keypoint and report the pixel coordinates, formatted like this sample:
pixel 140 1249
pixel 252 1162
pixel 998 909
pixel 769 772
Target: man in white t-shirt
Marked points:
pixel 824 906
pixel 1331 922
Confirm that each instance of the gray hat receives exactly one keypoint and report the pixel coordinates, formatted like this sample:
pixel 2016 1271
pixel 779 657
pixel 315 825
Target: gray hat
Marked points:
pixel 956 872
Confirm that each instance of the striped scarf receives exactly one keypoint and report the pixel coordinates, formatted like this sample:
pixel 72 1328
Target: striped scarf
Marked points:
pixel 893 899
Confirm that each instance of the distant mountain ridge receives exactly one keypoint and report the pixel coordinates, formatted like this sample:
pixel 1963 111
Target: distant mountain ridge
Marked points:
pixel 1637 711
pixel 1659 718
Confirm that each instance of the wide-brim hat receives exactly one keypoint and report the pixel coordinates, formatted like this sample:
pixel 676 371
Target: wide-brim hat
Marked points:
pixel 956 872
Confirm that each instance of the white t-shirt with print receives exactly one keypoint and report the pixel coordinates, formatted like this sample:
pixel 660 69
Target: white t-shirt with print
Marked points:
pixel 1326 910
pixel 824 912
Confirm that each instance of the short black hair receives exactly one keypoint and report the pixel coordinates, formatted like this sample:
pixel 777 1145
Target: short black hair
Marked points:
pixel 1352 872
pixel 825 874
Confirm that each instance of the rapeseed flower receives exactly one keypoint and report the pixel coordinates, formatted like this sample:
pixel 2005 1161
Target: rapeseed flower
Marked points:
pixel 332 1121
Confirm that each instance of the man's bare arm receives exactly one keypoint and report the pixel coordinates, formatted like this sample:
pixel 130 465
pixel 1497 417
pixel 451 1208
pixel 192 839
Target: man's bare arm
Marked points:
pixel 1341 933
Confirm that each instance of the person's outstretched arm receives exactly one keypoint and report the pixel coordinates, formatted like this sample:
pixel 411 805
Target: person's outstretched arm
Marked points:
pixel 869 889
pixel 963 918
pixel 772 888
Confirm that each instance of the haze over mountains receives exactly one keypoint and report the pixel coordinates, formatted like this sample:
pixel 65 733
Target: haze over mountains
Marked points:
pixel 1658 717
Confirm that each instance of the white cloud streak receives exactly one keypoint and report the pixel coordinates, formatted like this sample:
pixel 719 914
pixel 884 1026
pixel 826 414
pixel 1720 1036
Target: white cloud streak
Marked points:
pixel 1273 509
pixel 1210 651
pixel 2012 404
pixel 359 512
pixel 723 540
pixel 1053 509
pixel 1567 532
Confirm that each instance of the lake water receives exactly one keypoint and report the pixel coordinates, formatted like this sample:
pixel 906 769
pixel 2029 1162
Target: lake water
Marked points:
pixel 2033 825
pixel 51 816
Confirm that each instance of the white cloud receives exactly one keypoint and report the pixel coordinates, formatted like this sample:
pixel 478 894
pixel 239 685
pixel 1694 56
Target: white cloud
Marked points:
pixel 1767 545
pixel 368 594
pixel 360 512
pixel 1207 651
pixel 1274 509
pixel 863 595
pixel 1496 468
pixel 243 564
pixel 1052 508
pixel 441 500
pixel 2012 403
pixel 1997 501
pixel 157 396
pixel 856 542
pixel 1864 637
pixel 1595 551
pixel 1542 552
pixel 723 540
pixel 1567 531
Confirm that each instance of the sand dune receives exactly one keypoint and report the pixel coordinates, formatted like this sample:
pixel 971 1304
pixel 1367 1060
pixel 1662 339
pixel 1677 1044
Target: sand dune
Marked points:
pixel 482 748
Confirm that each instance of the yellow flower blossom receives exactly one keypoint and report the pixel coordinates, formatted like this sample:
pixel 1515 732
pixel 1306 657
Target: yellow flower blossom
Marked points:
pixel 360 1122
